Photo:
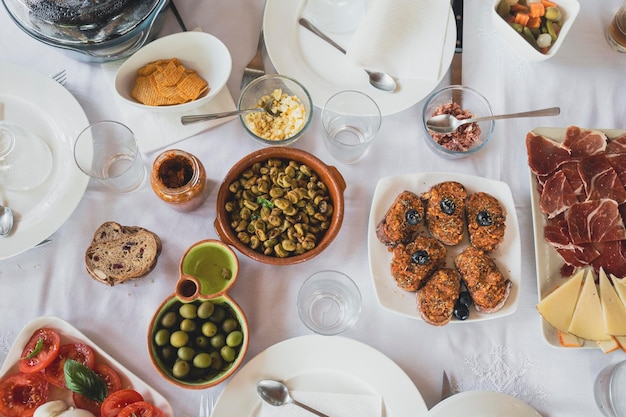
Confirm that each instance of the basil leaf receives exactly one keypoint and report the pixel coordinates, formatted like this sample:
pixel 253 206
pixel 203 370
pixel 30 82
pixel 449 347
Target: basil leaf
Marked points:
pixel 37 349
pixel 82 380
pixel 265 202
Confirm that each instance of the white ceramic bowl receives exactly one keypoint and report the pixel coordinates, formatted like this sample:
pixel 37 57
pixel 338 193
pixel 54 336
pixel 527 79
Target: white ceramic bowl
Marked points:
pixel 199 51
pixel 569 9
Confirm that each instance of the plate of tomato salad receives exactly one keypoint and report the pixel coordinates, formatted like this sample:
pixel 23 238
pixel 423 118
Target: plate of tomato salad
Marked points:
pixel 35 366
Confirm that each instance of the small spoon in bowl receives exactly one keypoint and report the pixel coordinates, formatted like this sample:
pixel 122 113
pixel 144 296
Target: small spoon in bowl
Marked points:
pixel 6 220
pixel 267 108
pixel 380 80
pixel 447 123
pixel 276 393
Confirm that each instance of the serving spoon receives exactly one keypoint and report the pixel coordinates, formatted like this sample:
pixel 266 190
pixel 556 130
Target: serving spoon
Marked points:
pixel 276 393
pixel 267 108
pixel 380 80
pixel 6 220
pixel 447 123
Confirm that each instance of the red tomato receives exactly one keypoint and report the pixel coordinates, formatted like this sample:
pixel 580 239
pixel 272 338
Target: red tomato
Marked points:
pixel 80 401
pixel 116 401
pixel 21 394
pixel 80 352
pixel 48 351
pixel 141 409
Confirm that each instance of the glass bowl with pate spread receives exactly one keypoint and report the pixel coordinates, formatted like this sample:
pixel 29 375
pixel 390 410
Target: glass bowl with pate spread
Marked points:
pixel 463 103
pixel 292 103
pixel 179 179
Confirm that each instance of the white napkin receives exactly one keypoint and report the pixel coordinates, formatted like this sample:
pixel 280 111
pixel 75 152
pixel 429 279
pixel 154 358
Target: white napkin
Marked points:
pixel 404 38
pixel 156 130
pixel 332 404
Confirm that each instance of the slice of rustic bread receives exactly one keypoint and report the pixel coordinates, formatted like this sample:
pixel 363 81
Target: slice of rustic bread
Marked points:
pixel 118 253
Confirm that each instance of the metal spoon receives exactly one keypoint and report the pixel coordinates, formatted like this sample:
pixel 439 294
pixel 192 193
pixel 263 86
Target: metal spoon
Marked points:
pixel 380 80
pixel 447 123
pixel 6 220
pixel 268 108
pixel 276 393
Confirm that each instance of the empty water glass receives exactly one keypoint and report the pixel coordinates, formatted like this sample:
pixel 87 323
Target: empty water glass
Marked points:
pixel 25 159
pixel 107 151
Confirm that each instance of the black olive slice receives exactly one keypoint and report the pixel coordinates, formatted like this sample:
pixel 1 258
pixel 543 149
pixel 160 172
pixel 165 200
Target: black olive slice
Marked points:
pixel 484 219
pixel 420 257
pixel 412 217
pixel 447 206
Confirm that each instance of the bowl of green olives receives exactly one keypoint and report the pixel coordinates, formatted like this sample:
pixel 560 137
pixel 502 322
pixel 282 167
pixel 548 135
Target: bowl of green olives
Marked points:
pixel 280 206
pixel 198 336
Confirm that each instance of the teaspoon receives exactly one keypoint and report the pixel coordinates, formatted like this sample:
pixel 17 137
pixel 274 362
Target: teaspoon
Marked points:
pixel 380 80
pixel 6 220
pixel 276 393
pixel 447 123
pixel 268 108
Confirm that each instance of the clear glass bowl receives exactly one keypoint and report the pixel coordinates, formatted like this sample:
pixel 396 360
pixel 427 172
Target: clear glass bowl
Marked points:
pixel 469 99
pixel 266 85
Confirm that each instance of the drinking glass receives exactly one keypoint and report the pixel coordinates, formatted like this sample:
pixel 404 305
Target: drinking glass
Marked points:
pixel 351 120
pixel 25 159
pixel 616 31
pixel 609 390
pixel 107 151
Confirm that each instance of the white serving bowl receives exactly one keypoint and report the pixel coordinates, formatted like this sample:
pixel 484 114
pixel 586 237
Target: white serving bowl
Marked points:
pixel 569 10
pixel 199 51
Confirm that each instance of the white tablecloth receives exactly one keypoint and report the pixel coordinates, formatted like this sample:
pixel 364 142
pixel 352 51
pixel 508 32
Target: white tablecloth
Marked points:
pixel 586 79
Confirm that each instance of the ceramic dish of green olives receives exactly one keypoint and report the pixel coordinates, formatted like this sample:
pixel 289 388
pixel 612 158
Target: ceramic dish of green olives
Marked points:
pixel 280 206
pixel 199 335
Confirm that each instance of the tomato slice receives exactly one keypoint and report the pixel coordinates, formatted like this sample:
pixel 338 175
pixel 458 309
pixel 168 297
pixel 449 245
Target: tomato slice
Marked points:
pixel 141 409
pixel 118 400
pixel 110 377
pixel 80 352
pixel 80 401
pixel 40 351
pixel 22 393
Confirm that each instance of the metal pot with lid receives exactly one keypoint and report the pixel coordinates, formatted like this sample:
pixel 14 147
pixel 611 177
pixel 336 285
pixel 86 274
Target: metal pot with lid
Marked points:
pixel 90 30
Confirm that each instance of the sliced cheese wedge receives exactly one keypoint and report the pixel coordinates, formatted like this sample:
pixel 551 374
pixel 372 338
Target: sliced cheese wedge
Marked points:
pixel 620 287
pixel 608 346
pixel 557 307
pixel 587 321
pixel 613 309
pixel 569 340
pixel 622 342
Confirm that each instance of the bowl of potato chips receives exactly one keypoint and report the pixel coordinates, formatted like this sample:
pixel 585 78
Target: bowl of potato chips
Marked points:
pixel 176 73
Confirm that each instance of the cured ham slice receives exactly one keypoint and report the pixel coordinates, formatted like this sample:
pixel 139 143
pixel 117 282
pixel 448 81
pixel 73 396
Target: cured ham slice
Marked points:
pixel 600 179
pixel 616 146
pixel 612 258
pixel 570 169
pixel 556 233
pixel 557 195
pixel 618 162
pixel 544 154
pixel 595 221
pixel 583 143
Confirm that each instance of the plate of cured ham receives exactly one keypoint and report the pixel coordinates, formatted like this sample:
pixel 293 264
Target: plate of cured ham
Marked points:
pixel 578 196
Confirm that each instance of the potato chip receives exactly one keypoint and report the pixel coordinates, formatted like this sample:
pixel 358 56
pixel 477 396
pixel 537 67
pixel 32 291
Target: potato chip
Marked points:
pixel 167 82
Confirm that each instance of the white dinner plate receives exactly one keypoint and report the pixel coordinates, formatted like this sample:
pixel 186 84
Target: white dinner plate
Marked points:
pixel 482 404
pixel 70 334
pixel 332 364
pixel 507 255
pixel 548 261
pixel 42 105
pixel 324 71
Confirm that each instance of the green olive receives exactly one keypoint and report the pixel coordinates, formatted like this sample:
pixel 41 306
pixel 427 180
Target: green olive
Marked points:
pixel 228 353
pixel 229 325
pixel 218 315
pixel 179 339
pixel 162 337
pixel 188 311
pixel 209 329
pixel 218 341
pixel 201 342
pixel 234 338
pixel 169 319
pixel 202 360
pixel 168 354
pixel 205 310
pixel 186 353
pixel 181 369
pixel 188 325
pixel 216 360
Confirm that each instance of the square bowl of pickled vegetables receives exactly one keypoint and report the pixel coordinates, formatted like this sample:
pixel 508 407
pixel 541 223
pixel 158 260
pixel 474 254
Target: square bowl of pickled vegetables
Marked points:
pixel 535 29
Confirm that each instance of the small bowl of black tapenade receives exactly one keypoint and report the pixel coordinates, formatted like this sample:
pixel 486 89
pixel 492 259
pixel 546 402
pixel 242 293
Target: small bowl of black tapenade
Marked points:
pixel 179 179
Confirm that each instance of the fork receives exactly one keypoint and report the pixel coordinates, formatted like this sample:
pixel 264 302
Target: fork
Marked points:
pixel 206 405
pixel 60 77
pixel 255 68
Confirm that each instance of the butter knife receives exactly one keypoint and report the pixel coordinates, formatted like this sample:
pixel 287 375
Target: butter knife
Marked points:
pixel 456 69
